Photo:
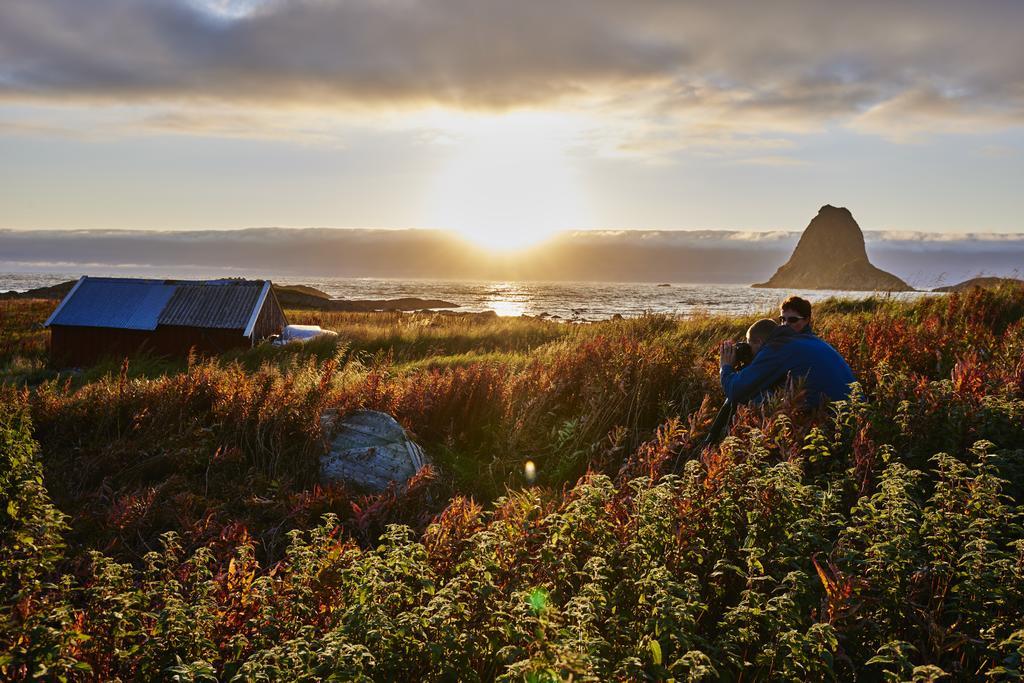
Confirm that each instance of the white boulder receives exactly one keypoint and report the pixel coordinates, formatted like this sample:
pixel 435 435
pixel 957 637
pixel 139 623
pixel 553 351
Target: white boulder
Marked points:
pixel 369 449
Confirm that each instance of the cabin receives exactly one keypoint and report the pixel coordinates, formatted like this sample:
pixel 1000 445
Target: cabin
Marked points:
pixel 104 317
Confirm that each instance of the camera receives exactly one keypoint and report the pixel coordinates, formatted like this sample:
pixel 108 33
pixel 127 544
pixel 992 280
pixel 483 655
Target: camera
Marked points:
pixel 744 355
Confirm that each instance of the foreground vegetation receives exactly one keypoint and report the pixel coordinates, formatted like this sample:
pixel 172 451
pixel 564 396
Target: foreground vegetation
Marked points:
pixel 163 520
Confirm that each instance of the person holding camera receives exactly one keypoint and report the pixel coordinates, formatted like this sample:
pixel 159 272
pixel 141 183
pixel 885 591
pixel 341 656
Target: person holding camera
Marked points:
pixel 779 352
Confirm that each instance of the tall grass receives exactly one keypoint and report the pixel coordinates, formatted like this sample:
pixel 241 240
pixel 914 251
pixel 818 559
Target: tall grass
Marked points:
pixel 24 344
pixel 878 540
pixel 415 336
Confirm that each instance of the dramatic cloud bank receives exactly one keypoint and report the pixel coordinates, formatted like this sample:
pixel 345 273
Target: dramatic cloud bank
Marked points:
pixel 706 256
pixel 713 70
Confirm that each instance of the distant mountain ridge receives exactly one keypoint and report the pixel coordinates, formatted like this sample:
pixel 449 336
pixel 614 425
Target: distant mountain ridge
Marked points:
pixel 831 254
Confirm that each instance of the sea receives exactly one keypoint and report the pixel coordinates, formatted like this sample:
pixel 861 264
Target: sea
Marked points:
pixel 568 301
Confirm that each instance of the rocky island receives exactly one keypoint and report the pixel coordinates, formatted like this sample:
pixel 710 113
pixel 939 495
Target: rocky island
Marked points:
pixel 983 282
pixel 831 255
pixel 310 298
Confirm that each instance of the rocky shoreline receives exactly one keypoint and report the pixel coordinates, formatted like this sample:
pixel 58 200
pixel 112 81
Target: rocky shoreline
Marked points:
pixel 289 296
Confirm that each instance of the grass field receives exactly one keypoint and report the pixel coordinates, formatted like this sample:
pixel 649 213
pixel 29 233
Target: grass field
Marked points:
pixel 162 519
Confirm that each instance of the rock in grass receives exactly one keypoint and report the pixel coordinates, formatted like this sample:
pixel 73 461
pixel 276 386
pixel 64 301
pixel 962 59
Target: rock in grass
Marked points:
pixel 368 449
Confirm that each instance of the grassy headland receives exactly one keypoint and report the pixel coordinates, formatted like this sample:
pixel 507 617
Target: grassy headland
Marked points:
pixel 163 519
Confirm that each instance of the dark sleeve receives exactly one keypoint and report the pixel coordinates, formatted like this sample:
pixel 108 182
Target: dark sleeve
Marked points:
pixel 766 369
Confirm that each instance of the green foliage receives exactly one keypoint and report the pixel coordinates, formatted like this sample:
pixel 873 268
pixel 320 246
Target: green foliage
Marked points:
pixel 38 632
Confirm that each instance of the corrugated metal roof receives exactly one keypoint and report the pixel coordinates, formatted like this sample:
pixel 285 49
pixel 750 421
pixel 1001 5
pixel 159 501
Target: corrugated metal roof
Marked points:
pixel 135 304
pixel 224 306
pixel 113 302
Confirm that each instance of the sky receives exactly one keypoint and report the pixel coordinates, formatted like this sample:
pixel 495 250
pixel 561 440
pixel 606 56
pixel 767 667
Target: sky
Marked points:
pixel 508 121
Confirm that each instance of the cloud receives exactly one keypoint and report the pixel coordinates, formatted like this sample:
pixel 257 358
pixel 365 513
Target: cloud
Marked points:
pixel 913 115
pixel 26 127
pixel 771 160
pixel 702 73
pixel 997 152
pixel 690 239
pixel 698 256
pixel 237 124
pixel 455 52
pixel 969 242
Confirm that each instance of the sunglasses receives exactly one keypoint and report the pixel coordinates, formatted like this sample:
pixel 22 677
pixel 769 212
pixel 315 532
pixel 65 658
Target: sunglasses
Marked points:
pixel 790 319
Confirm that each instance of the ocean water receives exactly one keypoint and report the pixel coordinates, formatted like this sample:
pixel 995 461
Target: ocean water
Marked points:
pixel 574 301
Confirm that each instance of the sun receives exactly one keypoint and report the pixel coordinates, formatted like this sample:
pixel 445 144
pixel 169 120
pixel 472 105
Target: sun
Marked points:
pixel 509 181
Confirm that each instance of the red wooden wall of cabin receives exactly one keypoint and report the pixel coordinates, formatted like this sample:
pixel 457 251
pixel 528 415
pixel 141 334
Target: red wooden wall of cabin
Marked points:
pixel 81 346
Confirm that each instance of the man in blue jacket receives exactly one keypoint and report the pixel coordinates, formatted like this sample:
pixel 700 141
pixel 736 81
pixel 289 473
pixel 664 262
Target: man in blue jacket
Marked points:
pixel 780 353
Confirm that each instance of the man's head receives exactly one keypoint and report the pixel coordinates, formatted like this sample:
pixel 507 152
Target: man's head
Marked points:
pixel 758 333
pixel 795 312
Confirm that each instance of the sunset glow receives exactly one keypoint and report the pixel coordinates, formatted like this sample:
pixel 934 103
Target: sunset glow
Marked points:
pixel 509 181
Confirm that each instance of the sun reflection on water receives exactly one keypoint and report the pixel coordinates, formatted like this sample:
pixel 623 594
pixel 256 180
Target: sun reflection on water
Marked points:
pixel 507 299
pixel 505 307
